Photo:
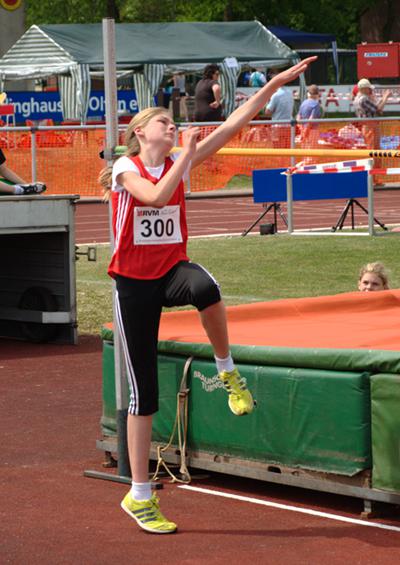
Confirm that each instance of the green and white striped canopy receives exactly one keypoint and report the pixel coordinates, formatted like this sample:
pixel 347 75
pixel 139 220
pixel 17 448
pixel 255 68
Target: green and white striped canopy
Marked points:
pixel 148 50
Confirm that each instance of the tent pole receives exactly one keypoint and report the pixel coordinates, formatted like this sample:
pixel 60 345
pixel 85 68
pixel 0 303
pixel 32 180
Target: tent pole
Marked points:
pixel 110 91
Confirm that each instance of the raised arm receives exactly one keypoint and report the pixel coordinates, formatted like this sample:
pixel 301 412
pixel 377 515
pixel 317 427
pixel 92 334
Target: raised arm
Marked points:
pixel 242 115
pixel 383 100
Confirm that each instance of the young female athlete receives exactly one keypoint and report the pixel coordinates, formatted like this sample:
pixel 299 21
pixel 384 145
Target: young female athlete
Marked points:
pixel 152 270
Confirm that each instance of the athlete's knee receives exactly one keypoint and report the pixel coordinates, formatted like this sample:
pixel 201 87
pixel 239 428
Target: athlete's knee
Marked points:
pixel 206 294
pixel 144 407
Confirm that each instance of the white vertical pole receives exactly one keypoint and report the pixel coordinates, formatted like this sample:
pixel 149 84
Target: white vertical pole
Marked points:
pixel 110 91
pixel 292 141
pixel 289 199
pixel 33 155
pixel 371 200
pixel 110 85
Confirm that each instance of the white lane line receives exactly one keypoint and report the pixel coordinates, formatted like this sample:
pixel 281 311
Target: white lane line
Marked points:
pixel 292 508
pixel 244 298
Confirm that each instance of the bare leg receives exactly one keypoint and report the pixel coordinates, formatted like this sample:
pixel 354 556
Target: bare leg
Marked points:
pixel 146 512
pixel 6 188
pixel 139 439
pixel 214 322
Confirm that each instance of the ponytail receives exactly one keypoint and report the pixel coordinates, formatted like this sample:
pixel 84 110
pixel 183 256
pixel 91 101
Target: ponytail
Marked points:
pixel 104 179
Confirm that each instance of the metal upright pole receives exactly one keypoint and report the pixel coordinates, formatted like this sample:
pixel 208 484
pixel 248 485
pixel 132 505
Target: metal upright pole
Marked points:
pixel 289 199
pixel 292 141
pixel 110 91
pixel 33 155
pixel 371 201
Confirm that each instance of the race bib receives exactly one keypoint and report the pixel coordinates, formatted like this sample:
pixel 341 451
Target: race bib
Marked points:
pixel 156 226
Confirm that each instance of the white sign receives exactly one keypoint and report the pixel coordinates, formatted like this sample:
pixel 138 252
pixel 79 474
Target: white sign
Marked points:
pixel 231 62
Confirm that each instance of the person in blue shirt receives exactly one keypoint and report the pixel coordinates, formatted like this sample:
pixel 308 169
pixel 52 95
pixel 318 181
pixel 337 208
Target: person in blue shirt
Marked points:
pixel 257 78
pixel 310 109
pixel 280 107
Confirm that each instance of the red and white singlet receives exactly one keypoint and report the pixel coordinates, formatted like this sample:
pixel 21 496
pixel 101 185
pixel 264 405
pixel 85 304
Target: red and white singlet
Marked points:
pixel 148 241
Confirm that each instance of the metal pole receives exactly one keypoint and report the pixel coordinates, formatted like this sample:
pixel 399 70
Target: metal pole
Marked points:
pixel 292 141
pixel 371 201
pixel 110 91
pixel 33 155
pixel 188 189
pixel 289 199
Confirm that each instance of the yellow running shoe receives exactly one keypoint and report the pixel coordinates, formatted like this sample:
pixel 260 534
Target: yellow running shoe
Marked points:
pixel 148 515
pixel 240 400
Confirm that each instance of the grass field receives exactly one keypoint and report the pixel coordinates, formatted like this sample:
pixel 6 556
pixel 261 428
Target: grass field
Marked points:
pixel 255 269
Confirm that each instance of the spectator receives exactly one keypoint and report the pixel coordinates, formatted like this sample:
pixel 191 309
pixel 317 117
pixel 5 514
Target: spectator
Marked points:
pixel 310 109
pixel 244 79
pixel 11 183
pixel 365 103
pixel 179 80
pixel 207 96
pixel 280 107
pixel 257 78
pixel 366 106
pixel 372 277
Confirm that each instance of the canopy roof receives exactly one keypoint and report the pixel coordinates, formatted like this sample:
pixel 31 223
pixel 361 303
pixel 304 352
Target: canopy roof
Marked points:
pixel 49 49
pixel 75 51
pixel 295 37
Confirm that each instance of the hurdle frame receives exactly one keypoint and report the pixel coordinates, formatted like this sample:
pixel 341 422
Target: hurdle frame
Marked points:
pixel 289 199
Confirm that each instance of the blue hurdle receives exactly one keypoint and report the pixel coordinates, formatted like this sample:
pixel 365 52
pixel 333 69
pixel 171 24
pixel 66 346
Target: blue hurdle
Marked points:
pixel 271 186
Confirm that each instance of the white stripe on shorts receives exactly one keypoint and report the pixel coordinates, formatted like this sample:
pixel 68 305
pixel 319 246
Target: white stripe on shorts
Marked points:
pixel 130 373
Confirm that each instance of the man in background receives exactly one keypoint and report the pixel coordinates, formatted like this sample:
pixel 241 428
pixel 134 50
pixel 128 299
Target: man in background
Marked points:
pixel 257 78
pixel 280 108
pixel 310 109
pixel 367 106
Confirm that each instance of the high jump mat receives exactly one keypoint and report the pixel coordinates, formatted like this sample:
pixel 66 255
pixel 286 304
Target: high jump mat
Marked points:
pixel 324 372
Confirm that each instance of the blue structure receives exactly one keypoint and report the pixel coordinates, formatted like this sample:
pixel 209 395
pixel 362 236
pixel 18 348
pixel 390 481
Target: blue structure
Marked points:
pixel 269 185
pixel 272 187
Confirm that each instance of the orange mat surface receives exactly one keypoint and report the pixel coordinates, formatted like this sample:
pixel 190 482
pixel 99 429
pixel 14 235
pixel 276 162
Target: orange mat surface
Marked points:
pixel 355 320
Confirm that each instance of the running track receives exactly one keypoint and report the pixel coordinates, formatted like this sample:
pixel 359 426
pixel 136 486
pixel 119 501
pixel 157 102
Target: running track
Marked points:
pixel 50 514
pixel 232 215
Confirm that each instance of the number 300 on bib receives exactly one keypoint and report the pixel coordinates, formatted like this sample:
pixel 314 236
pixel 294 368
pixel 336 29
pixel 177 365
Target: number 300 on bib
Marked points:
pixel 156 226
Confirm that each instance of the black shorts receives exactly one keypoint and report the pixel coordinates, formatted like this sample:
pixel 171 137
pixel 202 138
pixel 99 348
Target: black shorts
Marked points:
pixel 139 305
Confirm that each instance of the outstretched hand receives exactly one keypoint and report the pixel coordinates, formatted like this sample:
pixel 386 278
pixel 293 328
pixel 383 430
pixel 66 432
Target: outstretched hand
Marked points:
pixel 293 72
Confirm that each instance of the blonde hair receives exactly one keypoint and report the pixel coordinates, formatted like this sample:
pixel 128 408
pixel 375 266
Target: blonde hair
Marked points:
pixel 132 144
pixel 377 269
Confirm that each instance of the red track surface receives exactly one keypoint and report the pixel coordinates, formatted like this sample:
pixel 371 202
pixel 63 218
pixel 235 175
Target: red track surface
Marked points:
pixel 218 216
pixel 50 513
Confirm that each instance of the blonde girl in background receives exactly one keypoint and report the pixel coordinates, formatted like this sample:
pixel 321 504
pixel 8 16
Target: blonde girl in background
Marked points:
pixel 152 270
pixel 372 277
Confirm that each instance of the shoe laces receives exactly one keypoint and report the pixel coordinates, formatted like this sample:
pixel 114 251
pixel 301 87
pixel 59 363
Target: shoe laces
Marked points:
pixel 235 384
pixel 155 506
